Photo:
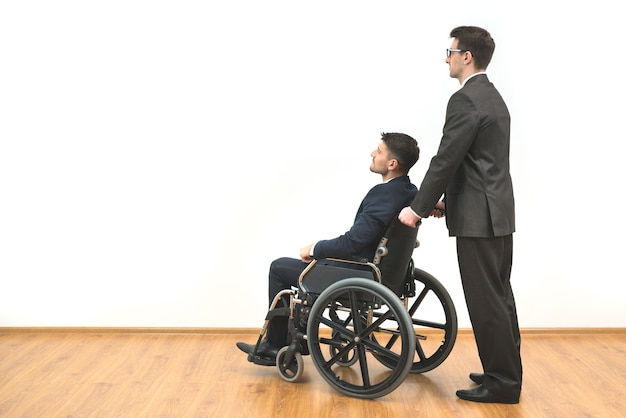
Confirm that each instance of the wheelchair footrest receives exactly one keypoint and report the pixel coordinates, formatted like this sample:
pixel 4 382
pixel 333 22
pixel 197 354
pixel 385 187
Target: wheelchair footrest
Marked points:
pixel 261 361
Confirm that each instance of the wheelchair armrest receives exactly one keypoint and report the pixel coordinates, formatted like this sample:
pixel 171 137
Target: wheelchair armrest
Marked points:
pixel 365 264
pixel 352 259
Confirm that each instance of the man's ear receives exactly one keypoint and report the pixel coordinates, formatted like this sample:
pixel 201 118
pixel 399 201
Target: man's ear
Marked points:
pixel 394 164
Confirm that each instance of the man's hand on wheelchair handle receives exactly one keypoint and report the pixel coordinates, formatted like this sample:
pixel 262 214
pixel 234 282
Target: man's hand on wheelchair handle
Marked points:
pixel 440 210
pixel 408 217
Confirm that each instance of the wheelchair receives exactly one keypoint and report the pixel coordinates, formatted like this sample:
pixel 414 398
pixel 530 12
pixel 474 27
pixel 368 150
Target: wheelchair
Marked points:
pixel 365 324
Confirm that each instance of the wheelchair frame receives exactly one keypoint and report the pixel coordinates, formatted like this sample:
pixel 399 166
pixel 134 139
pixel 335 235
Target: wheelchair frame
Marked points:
pixel 363 337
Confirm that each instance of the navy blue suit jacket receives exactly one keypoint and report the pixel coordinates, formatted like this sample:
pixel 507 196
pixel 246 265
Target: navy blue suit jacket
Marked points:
pixel 379 207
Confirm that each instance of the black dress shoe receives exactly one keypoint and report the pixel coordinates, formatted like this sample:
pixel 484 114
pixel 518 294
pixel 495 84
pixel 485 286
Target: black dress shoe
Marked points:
pixel 481 394
pixel 246 348
pixel 265 353
pixel 477 378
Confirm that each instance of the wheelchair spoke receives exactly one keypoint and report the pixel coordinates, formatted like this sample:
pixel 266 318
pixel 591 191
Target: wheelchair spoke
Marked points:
pixel 358 327
pixel 359 331
pixel 420 351
pixel 365 373
pixel 362 337
pixel 341 328
pixel 416 304
pixel 356 315
pixel 418 301
pixel 378 349
pixel 341 354
pixel 429 324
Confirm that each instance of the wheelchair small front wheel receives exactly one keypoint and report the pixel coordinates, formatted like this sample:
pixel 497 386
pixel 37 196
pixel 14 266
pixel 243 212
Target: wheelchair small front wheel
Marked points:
pixel 289 369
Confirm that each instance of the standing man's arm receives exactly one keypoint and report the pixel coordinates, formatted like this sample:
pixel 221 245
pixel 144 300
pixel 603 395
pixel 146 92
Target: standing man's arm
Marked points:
pixel 408 217
pixel 461 125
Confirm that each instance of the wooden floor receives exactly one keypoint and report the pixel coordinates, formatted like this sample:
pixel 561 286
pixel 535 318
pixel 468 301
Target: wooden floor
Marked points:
pixel 139 374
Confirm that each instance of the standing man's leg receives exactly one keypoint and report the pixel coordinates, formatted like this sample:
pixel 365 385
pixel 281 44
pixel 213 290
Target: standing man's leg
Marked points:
pixel 485 266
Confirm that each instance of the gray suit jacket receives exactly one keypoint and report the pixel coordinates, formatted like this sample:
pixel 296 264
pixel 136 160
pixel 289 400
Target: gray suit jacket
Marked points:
pixel 472 165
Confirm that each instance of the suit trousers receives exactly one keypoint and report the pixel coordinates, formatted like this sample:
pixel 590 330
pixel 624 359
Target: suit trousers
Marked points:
pixel 485 267
pixel 284 273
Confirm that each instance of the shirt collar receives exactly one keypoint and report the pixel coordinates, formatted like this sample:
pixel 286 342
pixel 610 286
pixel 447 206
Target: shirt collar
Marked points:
pixel 393 178
pixel 472 76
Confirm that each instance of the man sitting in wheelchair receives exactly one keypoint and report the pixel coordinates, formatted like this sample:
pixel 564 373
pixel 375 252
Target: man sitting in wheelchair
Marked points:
pixel 392 159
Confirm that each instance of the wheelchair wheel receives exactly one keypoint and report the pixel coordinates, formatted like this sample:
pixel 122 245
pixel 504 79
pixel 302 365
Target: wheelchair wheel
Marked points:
pixel 349 360
pixel 434 322
pixel 346 359
pixel 290 370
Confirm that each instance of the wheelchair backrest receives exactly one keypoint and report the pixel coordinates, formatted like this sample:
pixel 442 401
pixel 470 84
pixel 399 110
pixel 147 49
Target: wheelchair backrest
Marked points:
pixel 394 253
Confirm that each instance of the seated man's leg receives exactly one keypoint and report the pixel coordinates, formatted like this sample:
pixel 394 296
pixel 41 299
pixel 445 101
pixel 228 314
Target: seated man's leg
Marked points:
pixel 284 273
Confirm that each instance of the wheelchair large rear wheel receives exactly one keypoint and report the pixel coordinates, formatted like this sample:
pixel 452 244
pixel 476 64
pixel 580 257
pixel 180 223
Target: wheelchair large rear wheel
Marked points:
pixel 434 321
pixel 354 318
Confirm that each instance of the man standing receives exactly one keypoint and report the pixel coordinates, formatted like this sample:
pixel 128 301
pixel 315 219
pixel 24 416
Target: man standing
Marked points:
pixel 471 168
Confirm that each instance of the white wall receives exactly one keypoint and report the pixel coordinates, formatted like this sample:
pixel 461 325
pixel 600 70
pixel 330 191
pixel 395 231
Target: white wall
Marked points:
pixel 156 156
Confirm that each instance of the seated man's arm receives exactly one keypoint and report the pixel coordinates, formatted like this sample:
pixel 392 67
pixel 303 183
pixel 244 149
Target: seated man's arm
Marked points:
pixel 377 210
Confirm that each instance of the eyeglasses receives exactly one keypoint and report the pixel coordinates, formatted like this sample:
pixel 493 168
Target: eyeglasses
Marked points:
pixel 449 51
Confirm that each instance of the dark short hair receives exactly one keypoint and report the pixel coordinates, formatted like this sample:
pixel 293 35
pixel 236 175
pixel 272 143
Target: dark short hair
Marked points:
pixel 403 148
pixel 476 40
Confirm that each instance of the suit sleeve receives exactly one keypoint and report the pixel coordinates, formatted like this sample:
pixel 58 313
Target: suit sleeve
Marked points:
pixel 459 131
pixel 376 212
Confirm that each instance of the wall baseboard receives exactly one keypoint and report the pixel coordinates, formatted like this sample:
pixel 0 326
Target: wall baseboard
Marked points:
pixel 215 331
